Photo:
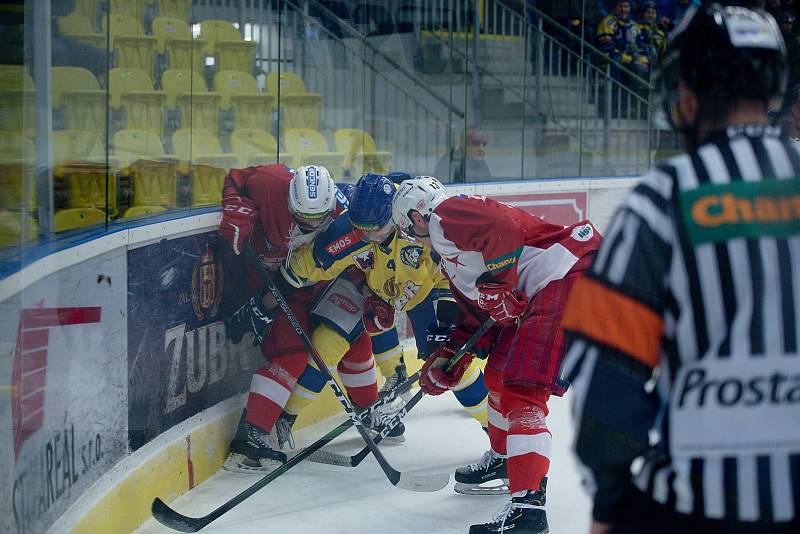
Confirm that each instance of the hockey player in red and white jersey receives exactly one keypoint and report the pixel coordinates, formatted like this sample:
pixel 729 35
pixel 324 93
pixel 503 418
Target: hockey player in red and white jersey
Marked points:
pixel 517 269
pixel 278 210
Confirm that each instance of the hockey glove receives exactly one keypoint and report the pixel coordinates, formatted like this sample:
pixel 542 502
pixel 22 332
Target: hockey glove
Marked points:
pixel 238 220
pixel 435 337
pixel 253 317
pixel 378 314
pixel 503 305
pixel 434 378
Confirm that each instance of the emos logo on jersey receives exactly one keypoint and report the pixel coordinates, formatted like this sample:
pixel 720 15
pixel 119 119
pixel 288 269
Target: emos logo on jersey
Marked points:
pixel 341 243
pixel 340 301
pixel 312 180
pixel 410 255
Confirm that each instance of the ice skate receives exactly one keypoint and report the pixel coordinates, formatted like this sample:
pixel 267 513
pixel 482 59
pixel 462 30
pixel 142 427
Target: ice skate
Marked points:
pixel 392 381
pixel 374 424
pixel 521 515
pixel 489 476
pixel 252 452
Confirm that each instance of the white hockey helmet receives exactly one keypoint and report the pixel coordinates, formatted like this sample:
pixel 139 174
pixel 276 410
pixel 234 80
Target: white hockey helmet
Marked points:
pixel 421 194
pixel 312 195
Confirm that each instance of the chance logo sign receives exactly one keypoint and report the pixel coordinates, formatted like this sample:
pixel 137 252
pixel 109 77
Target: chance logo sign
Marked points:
pixel 736 405
pixel 715 213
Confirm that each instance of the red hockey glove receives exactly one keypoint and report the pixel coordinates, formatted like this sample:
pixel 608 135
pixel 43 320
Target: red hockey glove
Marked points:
pixel 503 305
pixel 434 378
pixel 378 314
pixel 238 220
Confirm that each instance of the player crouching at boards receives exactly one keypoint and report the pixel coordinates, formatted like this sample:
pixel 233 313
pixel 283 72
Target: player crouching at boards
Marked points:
pixel 400 275
pixel 517 269
pixel 278 209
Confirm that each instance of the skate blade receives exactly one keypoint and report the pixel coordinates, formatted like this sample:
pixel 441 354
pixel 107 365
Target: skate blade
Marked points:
pixel 389 440
pixel 477 489
pixel 234 464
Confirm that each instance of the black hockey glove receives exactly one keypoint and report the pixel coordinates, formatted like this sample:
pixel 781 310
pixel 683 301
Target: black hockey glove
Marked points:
pixel 250 317
pixel 434 338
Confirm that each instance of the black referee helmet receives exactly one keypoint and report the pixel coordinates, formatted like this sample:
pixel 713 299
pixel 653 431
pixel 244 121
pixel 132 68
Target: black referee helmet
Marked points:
pixel 724 53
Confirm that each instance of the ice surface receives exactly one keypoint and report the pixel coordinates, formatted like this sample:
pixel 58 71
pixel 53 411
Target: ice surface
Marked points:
pixel 323 499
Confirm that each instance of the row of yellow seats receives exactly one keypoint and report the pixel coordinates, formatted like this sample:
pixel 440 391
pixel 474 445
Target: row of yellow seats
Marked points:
pixel 171 37
pixel 82 103
pixel 138 9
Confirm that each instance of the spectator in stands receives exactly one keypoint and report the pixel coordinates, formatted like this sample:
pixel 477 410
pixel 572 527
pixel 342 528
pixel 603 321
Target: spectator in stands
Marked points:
pixel 651 37
pixel 67 51
pixel 617 36
pixel 459 169
pixel 672 11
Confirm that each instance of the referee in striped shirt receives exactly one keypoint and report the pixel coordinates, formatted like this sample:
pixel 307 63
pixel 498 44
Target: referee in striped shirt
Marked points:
pixel 683 345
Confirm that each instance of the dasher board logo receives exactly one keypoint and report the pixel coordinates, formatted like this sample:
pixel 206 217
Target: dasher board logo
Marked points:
pixel 737 405
pixel 721 212
pixel 207 284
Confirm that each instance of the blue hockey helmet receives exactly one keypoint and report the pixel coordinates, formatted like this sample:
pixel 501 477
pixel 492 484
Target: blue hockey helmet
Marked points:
pixel 398 177
pixel 371 202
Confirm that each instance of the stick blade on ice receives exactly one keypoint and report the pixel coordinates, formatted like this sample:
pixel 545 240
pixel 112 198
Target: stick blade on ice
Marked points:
pixel 423 483
pixel 172 519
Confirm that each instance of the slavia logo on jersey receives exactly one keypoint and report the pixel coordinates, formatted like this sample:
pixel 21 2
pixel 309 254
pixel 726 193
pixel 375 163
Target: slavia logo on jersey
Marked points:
pixel 583 233
pixel 364 260
pixel 312 180
pixel 340 301
pixel 411 255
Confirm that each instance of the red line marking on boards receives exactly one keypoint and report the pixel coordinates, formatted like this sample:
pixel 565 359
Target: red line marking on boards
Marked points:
pixel 189 463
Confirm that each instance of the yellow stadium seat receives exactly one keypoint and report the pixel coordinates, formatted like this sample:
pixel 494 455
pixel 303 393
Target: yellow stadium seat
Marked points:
pixel 207 164
pixel 87 8
pixel 142 211
pixel 257 147
pixel 187 93
pixel 132 48
pixel 17 98
pixel 240 95
pixel 360 154
pixel 179 9
pixel 174 39
pixel 309 148
pixel 131 92
pixel 225 43
pixel 11 228
pixel 80 159
pixel 17 159
pixel 77 95
pixel 77 25
pixel 152 173
pixel 130 8
pixel 298 107
pixel 72 218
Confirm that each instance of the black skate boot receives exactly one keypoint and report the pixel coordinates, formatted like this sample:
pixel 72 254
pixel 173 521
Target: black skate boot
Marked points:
pixel 250 317
pixel 251 451
pixel 376 421
pixel 391 382
pixel 521 515
pixel 492 467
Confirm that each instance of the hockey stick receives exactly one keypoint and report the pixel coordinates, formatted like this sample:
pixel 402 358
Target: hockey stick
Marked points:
pixel 332 458
pixel 401 480
pixel 176 521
